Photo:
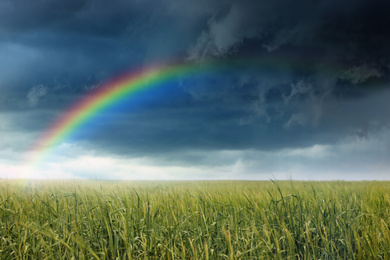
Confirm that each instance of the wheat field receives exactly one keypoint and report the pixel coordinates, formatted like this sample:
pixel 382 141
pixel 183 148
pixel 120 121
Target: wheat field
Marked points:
pixel 82 219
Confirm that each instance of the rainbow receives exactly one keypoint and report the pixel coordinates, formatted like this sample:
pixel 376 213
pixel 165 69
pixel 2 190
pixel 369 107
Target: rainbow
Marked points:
pixel 108 94
pixel 126 86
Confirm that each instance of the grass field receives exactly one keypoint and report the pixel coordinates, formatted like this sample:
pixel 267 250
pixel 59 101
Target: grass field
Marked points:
pixel 194 220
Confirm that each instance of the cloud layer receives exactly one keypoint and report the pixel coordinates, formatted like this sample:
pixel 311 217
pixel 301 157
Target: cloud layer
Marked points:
pixel 325 83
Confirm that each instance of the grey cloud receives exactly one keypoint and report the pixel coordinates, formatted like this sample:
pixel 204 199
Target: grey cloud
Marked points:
pixel 16 139
pixel 345 33
pixel 359 74
pixel 35 94
pixel 352 156
pixel 307 97
pixel 226 29
pixel 270 23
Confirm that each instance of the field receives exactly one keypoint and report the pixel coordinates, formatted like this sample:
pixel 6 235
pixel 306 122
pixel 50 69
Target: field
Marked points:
pixel 194 220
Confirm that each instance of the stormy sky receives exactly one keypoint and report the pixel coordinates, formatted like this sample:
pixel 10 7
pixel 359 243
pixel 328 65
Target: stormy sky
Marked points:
pixel 313 104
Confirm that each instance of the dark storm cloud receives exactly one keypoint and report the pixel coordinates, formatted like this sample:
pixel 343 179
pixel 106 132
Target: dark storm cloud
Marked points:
pixel 81 43
pixel 335 82
pixel 98 18
pixel 355 29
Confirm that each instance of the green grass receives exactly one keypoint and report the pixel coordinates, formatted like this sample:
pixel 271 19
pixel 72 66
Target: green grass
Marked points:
pixel 194 220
